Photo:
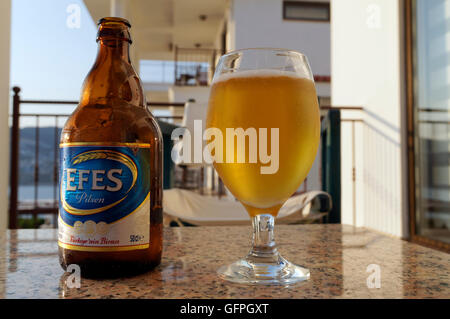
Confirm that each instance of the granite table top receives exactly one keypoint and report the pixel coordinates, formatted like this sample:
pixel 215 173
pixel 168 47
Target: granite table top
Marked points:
pixel 344 261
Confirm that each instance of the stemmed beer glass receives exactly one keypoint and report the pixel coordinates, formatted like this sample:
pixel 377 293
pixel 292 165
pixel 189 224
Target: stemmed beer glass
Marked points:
pixel 264 104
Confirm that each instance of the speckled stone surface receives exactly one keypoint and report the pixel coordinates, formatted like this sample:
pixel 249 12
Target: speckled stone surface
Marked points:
pixel 337 255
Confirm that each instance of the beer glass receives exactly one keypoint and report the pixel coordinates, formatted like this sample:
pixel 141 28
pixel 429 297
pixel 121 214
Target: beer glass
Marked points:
pixel 263 104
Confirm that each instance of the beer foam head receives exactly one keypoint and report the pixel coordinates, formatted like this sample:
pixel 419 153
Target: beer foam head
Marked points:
pixel 256 73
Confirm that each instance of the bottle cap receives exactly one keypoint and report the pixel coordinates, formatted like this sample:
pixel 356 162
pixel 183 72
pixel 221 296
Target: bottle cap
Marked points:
pixel 114 20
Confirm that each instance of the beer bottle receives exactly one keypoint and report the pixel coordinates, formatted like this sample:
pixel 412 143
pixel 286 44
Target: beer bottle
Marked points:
pixel 110 214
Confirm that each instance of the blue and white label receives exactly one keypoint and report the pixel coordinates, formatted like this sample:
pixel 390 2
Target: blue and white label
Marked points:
pixel 105 196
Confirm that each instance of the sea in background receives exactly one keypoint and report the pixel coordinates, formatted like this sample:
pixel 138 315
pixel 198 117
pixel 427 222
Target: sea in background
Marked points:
pixel 45 194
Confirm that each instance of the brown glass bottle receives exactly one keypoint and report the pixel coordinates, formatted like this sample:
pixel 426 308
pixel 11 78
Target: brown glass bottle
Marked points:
pixel 112 111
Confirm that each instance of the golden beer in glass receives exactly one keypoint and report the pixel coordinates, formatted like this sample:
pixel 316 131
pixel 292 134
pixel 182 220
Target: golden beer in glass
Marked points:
pixel 267 100
pixel 269 90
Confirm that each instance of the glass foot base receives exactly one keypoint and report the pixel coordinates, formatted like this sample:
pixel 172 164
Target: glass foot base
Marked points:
pixel 277 271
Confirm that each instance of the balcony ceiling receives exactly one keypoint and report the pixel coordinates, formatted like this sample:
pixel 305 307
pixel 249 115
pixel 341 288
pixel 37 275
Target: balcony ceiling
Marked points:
pixel 159 25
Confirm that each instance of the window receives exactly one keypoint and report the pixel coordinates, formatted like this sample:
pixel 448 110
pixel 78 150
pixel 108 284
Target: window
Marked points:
pixel 157 71
pixel 306 11
pixel 429 121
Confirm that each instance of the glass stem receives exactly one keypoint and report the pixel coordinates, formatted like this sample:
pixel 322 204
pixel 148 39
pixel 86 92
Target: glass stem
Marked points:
pixel 263 238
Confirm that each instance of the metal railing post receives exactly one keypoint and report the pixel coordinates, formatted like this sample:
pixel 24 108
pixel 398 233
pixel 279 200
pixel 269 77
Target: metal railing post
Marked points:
pixel 213 66
pixel 176 65
pixel 36 169
pixel 331 161
pixel 14 160
pixel 55 170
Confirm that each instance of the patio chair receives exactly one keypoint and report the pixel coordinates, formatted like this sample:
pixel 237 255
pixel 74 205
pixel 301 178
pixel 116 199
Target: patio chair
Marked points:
pixel 183 207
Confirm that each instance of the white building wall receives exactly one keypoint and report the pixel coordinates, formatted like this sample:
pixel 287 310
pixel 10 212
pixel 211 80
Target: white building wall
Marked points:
pixel 367 70
pixel 259 23
pixel 5 35
pixel 184 93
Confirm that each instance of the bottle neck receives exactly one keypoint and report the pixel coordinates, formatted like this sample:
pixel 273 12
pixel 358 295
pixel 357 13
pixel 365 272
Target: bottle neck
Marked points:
pixel 114 49
pixel 112 80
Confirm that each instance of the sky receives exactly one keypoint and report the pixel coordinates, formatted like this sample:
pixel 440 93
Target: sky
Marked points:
pixel 50 52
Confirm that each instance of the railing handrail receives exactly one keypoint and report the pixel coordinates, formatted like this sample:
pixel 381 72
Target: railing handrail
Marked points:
pixel 345 108
pixel 165 104
pixel 322 108
pixel 432 110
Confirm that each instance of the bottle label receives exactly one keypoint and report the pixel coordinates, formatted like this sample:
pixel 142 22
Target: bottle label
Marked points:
pixel 105 196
